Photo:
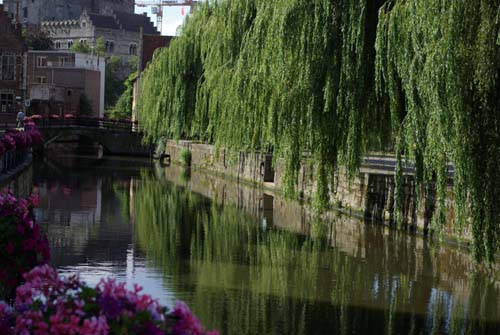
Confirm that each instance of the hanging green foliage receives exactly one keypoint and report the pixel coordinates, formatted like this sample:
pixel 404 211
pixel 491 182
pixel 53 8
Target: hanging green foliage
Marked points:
pixel 438 64
pixel 337 78
pixel 261 75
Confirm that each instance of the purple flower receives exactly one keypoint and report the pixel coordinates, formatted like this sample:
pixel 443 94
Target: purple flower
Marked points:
pixel 110 306
pixel 187 323
pixel 8 142
pixel 149 328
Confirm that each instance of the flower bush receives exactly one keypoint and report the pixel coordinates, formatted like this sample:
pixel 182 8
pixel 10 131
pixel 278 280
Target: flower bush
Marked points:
pixel 22 245
pixel 20 140
pixel 49 304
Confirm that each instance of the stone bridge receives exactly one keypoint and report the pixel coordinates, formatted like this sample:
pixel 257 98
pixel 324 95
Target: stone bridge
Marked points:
pixel 116 137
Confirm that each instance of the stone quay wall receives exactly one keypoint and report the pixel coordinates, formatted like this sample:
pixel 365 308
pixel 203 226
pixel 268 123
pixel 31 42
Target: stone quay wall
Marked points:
pixel 369 195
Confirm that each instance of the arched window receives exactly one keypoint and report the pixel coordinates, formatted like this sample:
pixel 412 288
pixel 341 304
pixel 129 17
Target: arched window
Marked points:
pixel 133 49
pixel 110 46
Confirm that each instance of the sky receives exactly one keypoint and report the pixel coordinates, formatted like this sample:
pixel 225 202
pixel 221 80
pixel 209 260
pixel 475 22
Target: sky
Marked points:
pixel 172 17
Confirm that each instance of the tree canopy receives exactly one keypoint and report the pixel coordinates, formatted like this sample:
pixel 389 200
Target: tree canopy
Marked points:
pixel 338 78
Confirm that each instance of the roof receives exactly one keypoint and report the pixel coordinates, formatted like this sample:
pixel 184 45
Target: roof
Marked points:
pixel 103 21
pixel 133 22
pixel 117 21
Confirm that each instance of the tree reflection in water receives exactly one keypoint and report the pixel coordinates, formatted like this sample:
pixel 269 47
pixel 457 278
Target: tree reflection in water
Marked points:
pixel 244 279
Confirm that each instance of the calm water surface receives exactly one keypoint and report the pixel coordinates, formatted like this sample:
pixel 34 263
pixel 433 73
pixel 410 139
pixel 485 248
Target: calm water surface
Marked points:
pixel 250 263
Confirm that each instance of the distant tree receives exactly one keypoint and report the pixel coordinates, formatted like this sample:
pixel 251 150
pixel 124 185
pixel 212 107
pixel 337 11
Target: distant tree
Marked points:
pixel 81 47
pixel 132 63
pixel 114 81
pixel 85 105
pixel 123 106
pixel 37 39
pixel 100 47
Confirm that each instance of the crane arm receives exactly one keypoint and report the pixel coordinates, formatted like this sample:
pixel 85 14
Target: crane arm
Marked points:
pixel 165 3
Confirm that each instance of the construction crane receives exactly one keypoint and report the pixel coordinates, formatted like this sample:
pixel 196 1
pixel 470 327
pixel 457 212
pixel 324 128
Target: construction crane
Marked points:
pixel 157 7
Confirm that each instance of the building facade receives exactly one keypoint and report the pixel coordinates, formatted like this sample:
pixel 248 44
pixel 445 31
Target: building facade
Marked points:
pixel 34 12
pixel 12 68
pixel 58 81
pixel 120 30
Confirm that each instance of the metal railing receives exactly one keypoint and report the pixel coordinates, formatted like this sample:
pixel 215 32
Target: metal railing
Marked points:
pixel 108 124
pixel 11 160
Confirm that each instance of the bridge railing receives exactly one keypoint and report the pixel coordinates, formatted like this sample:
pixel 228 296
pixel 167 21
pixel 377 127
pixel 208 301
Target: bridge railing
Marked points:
pixel 108 124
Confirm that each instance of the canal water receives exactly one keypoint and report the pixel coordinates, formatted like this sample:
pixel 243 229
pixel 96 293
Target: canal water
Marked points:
pixel 249 262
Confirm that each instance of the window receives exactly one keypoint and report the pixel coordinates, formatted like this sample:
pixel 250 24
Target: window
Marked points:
pixel 64 61
pixel 70 92
pixel 6 102
pixel 70 44
pixel 133 49
pixel 25 12
pixel 8 67
pixel 110 46
pixel 58 45
pixel 41 80
pixel 41 61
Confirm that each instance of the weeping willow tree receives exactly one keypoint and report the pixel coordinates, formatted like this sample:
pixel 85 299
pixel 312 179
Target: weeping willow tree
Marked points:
pixel 337 78
pixel 261 75
pixel 438 66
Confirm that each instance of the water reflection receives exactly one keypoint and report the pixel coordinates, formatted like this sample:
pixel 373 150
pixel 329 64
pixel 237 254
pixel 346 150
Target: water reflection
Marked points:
pixel 242 272
pixel 245 278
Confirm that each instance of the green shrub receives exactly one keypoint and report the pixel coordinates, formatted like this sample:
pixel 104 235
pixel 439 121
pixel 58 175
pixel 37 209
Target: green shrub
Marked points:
pixel 185 157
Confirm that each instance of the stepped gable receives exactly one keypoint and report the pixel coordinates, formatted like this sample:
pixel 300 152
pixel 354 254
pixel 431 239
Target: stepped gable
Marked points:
pixel 133 22
pixel 103 21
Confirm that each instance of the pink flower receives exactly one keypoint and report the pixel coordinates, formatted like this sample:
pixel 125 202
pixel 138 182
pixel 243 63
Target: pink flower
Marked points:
pixel 187 323
pixel 35 200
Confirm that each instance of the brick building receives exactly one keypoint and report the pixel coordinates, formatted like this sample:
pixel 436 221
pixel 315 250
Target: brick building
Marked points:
pixel 57 82
pixel 34 12
pixel 12 64
pixel 150 43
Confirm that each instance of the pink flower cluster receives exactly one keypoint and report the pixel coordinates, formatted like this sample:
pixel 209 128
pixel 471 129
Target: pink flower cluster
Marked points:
pixel 49 304
pixel 20 140
pixel 22 244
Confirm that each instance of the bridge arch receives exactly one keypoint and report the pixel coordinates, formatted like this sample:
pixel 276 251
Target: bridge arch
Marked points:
pixel 119 140
pixel 67 134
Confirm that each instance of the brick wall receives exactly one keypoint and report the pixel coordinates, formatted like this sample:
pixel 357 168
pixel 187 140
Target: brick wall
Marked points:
pixel 12 48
